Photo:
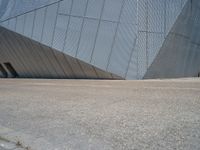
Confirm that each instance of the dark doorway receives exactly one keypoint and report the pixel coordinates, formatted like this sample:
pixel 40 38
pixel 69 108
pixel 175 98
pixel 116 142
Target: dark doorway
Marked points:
pixel 12 71
pixel 199 74
pixel 3 71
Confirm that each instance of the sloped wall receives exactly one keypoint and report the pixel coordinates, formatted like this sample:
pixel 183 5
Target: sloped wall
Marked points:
pixel 119 36
pixel 180 53
pixel 31 59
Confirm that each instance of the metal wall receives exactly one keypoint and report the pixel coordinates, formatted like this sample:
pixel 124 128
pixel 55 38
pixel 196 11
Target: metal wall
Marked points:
pixel 180 53
pixel 30 59
pixel 13 8
pixel 119 36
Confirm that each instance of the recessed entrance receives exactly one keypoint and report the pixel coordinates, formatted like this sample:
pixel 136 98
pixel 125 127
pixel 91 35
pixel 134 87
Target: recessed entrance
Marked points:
pixel 199 74
pixel 11 69
pixel 3 72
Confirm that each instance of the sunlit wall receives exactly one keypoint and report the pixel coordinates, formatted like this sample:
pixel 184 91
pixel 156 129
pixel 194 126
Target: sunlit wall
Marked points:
pixel 120 36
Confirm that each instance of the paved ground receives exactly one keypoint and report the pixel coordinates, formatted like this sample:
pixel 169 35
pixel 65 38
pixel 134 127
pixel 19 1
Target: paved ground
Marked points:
pixel 100 115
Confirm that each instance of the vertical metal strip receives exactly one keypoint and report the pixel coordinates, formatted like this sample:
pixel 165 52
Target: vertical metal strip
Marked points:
pixel 50 50
pixel 129 61
pixel 67 30
pixel 165 18
pixel 54 29
pixel 27 45
pixel 34 24
pixel 41 50
pixel 79 40
pixel 25 16
pixel 65 38
pixel 137 37
pixel 147 30
pixel 115 34
pixel 102 9
pixel 51 45
pixel 44 21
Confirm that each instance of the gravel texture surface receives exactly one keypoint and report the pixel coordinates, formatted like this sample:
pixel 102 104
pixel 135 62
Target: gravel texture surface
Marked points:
pixel 100 115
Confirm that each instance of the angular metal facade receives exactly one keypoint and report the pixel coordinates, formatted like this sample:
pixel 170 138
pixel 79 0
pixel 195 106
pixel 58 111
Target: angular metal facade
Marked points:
pixel 122 38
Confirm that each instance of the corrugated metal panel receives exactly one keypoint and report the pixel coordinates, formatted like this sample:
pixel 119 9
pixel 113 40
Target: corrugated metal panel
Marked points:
pixel 64 64
pixel 129 12
pixel 103 44
pixel 155 15
pixel 132 72
pixel 17 48
pixel 142 54
pixel 38 24
pixel 123 46
pixel 76 67
pixel 55 71
pixel 87 39
pixel 20 24
pixel 7 53
pixel 28 26
pixel 111 10
pixel 13 8
pixel 88 70
pixel 142 15
pixel 73 34
pixel 26 54
pixel 4 24
pixel 173 9
pixel 65 7
pixel 12 24
pixel 183 3
pixel 49 24
pixel 155 42
pixel 60 32
pixel 94 8
pixel 102 74
pixel 79 7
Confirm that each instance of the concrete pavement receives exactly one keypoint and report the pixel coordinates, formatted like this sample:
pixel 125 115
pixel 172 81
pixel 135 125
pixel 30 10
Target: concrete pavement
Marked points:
pixel 100 115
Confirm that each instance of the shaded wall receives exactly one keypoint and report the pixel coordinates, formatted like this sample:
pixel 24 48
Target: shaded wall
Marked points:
pixel 31 59
pixel 180 53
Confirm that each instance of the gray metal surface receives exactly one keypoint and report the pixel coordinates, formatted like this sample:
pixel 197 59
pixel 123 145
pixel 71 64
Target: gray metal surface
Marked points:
pixel 180 53
pixel 31 59
pixel 122 37
pixel 12 8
